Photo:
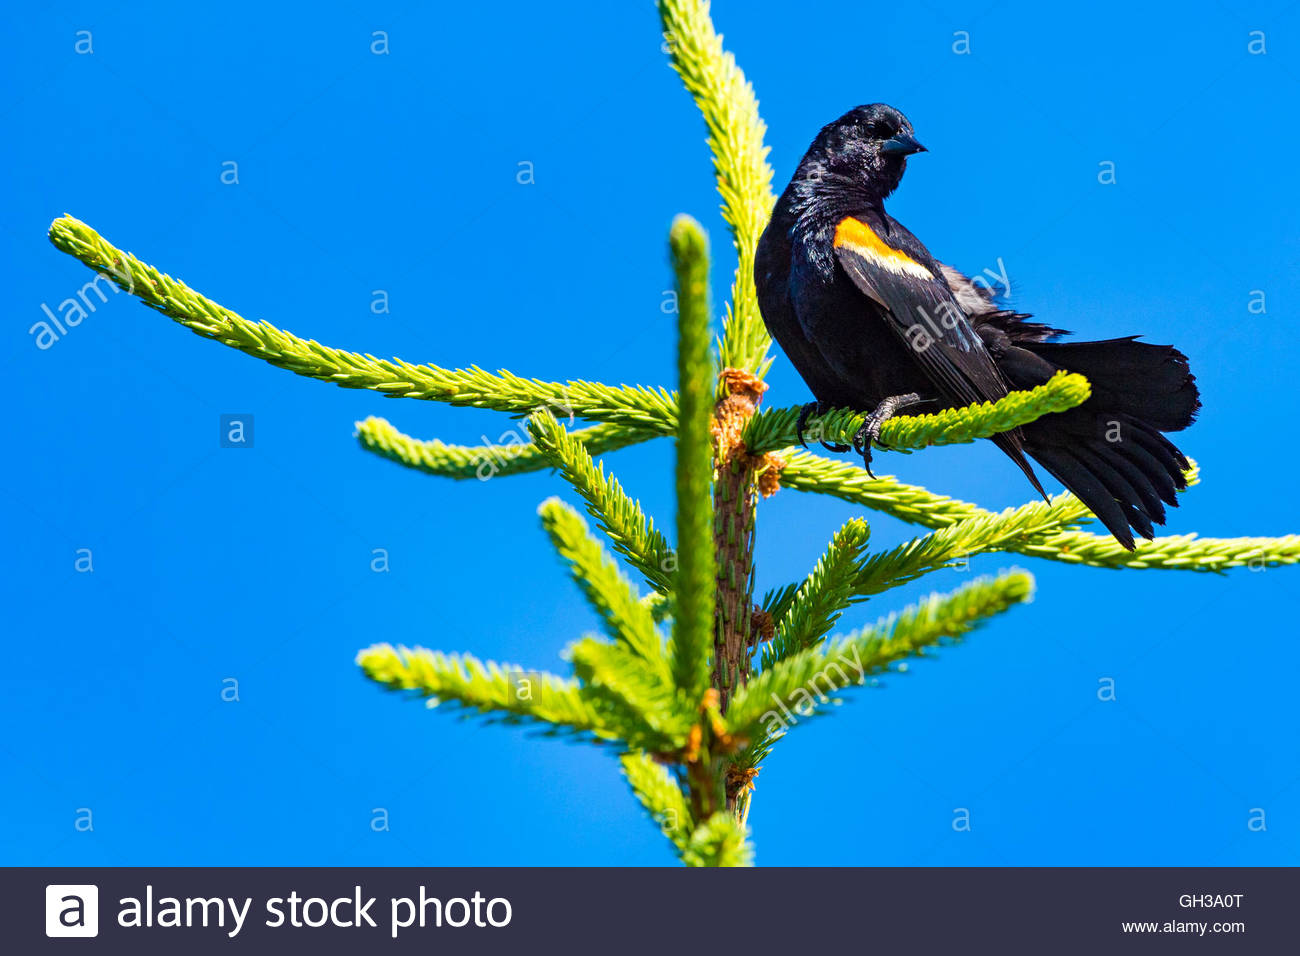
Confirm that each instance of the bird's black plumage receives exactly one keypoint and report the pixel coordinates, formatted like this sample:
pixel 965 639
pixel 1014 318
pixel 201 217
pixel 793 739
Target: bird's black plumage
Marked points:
pixel 866 314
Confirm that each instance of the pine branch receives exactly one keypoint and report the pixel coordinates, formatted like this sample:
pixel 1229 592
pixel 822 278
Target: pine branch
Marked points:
pixel 796 688
pixel 629 530
pixel 848 482
pixel 773 429
pixel 640 407
pixel 826 592
pixel 1178 552
pixel 503 691
pixel 693 629
pixel 841 478
pixel 987 532
pixel 719 841
pixel 661 795
pixel 630 695
pixel 625 618
pixel 461 462
pixel 736 133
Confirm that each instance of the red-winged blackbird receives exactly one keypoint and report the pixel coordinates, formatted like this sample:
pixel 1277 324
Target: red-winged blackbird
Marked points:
pixel 873 322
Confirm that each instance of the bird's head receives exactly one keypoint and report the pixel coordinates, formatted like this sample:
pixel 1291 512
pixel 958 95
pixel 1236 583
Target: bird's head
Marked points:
pixel 868 145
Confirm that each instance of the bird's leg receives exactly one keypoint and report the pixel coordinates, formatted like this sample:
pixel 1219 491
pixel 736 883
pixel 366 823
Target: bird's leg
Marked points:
pixel 821 408
pixel 870 430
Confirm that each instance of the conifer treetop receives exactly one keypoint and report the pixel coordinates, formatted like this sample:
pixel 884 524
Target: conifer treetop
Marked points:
pixel 692 729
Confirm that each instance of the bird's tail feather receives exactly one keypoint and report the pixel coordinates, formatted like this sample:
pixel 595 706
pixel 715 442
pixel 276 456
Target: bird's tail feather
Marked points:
pixel 1111 451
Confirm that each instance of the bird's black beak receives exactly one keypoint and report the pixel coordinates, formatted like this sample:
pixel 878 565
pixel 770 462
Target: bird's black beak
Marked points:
pixel 904 143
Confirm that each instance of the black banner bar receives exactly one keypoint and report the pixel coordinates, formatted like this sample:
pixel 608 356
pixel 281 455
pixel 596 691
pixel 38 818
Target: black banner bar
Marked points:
pixel 631 911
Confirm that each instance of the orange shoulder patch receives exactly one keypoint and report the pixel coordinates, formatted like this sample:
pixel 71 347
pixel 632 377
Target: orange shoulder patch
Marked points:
pixel 857 236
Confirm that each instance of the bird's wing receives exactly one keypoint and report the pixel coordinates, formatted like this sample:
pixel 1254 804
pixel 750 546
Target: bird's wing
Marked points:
pixel 921 309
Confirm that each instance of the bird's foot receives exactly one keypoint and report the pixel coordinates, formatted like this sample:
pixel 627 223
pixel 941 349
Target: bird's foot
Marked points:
pixel 819 408
pixel 870 430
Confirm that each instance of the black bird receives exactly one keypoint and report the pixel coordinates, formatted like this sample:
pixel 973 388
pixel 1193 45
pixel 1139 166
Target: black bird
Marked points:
pixel 873 322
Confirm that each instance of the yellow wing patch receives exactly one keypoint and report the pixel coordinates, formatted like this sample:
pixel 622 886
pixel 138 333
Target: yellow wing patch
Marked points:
pixel 857 236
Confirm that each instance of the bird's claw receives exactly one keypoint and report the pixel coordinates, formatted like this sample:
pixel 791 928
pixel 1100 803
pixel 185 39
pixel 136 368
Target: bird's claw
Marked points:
pixel 820 408
pixel 864 436
pixel 870 430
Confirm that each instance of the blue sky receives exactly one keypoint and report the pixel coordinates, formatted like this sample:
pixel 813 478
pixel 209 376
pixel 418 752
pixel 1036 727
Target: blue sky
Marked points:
pixel 360 172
